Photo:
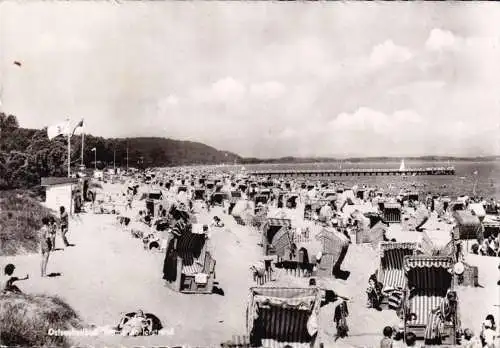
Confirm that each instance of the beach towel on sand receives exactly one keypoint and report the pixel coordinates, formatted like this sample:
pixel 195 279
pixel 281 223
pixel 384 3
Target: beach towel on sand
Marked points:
pixel 201 278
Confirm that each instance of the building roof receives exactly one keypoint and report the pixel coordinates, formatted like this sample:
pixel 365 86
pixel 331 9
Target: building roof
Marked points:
pixel 51 181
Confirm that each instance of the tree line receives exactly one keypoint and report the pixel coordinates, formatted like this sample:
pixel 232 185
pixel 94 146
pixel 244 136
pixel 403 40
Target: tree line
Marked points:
pixel 27 155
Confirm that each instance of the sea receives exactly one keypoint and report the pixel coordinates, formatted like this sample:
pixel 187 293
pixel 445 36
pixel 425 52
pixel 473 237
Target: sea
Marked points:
pixel 481 178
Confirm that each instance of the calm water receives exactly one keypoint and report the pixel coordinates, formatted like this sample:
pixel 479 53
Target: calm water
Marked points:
pixel 488 176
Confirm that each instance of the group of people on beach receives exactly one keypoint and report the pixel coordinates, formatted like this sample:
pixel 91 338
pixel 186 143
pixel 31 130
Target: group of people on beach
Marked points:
pixel 48 233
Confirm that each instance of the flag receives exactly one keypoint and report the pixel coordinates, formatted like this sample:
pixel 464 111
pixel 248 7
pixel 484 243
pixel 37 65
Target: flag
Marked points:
pixel 57 129
pixel 93 149
pixel 78 125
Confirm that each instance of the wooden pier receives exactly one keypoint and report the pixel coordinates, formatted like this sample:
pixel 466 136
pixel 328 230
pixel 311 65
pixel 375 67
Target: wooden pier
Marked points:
pixel 354 172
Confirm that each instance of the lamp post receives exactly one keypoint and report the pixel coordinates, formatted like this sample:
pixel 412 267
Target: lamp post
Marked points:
pixel 95 158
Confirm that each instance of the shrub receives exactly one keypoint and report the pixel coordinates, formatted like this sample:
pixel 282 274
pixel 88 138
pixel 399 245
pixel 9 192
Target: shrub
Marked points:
pixel 25 320
pixel 20 219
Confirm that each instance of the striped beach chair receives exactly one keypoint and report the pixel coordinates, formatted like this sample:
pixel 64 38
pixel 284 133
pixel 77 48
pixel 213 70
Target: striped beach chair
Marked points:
pixel 428 279
pixel 279 316
pixel 391 271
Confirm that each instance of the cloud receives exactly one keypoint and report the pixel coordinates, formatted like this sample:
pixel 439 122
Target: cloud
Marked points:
pixel 269 89
pixel 375 122
pixel 418 87
pixel 225 90
pixel 165 104
pixel 172 100
pixel 388 52
pixel 440 39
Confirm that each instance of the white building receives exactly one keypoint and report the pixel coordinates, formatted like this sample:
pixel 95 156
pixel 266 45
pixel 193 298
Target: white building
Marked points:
pixel 59 192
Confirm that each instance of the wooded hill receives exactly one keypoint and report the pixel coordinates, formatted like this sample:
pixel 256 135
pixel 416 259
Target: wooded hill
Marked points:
pixel 26 155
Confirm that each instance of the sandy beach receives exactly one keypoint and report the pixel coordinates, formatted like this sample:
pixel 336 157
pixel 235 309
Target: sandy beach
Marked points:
pixel 108 273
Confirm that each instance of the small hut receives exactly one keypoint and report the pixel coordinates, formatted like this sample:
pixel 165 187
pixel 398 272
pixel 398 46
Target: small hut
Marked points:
pixel 59 192
pixel 280 316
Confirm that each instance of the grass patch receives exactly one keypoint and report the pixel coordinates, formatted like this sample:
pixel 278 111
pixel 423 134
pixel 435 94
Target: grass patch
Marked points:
pixel 21 216
pixel 25 320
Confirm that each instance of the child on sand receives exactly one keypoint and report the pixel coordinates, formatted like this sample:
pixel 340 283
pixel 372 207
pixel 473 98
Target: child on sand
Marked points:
pixel 386 342
pixel 8 280
pixel 64 221
pixel 217 222
pixel 45 244
pixel 52 232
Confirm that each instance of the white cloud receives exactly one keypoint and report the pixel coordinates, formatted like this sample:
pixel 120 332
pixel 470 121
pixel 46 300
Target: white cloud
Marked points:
pixel 388 52
pixel 226 90
pixel 374 132
pixel 440 39
pixel 418 87
pixel 167 103
pixel 172 100
pixel 288 133
pixel 269 89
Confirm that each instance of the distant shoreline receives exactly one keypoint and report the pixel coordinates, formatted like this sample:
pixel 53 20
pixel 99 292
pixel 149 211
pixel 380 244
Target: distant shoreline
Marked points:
pixel 309 160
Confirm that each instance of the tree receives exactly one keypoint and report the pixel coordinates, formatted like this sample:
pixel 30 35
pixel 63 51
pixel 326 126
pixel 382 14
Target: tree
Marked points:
pixel 8 123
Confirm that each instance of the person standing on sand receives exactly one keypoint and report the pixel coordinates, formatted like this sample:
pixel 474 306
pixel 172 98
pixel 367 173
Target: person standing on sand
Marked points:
pixel 64 219
pixel 52 233
pixel 45 245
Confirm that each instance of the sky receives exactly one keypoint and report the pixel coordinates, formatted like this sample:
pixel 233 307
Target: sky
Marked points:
pixel 261 79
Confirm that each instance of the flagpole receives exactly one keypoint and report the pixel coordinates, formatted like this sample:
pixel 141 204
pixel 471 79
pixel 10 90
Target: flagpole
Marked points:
pixel 83 137
pixel 95 159
pixel 69 150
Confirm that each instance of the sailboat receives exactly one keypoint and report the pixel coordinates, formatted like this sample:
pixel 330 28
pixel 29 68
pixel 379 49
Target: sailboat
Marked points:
pixel 402 166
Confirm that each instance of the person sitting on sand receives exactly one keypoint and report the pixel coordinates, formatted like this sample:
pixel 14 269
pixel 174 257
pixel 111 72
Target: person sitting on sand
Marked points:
pixel 135 326
pixel 217 222
pixel 475 248
pixel 411 339
pixel 206 231
pixel 45 245
pixel 8 280
pixel 386 342
pixel 469 340
pixel 446 312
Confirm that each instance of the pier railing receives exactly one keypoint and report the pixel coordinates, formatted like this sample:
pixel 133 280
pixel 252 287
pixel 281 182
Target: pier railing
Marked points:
pixel 357 172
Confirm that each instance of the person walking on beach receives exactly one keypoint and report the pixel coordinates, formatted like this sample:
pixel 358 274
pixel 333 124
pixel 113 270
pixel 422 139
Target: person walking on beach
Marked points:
pixel 64 219
pixel 45 245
